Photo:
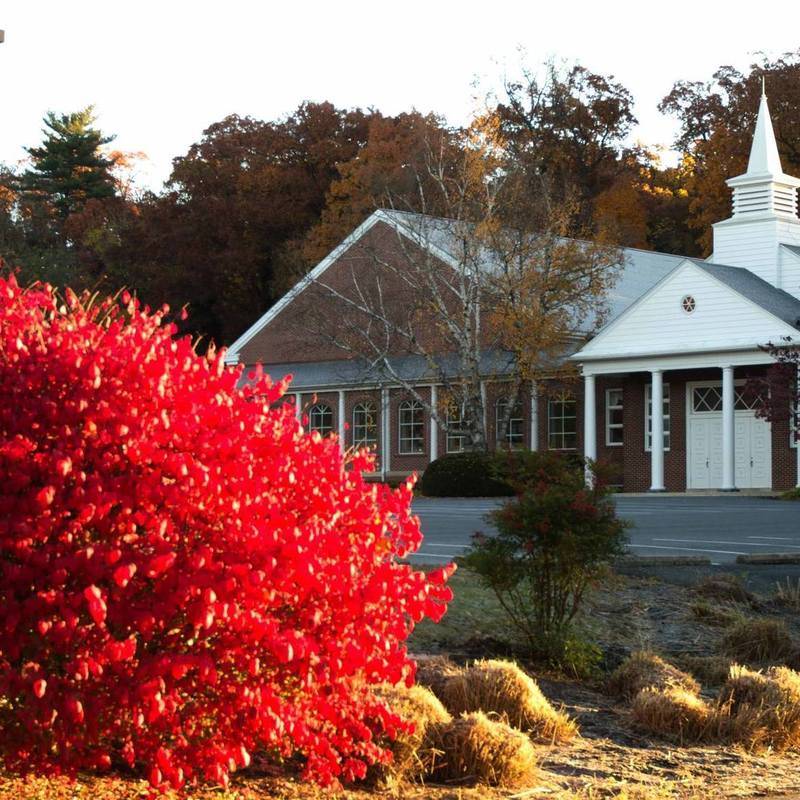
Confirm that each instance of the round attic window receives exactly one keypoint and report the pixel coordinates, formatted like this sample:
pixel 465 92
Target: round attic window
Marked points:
pixel 688 304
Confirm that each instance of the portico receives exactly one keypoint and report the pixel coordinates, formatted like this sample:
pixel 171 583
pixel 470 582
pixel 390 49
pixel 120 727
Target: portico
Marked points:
pixel 706 323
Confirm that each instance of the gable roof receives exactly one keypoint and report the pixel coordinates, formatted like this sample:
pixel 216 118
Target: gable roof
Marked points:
pixel 641 269
pixel 776 301
pixel 752 292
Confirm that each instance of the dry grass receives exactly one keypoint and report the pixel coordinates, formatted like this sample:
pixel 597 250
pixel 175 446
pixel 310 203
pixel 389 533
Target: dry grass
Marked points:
pixel 788 594
pixel 761 710
pixel 502 688
pixel 435 671
pixel 715 614
pixel 708 670
pixel 672 712
pixel 724 587
pixel 645 670
pixel 474 748
pixel 412 755
pixel 758 639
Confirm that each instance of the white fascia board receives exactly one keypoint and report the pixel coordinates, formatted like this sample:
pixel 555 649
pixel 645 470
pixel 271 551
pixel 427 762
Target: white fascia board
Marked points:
pixel 232 354
pixel 701 359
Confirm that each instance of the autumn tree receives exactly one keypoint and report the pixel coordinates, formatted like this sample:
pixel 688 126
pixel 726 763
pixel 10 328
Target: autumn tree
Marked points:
pixel 221 238
pixel 565 127
pixel 380 170
pixel 777 391
pixel 502 303
pixel 716 124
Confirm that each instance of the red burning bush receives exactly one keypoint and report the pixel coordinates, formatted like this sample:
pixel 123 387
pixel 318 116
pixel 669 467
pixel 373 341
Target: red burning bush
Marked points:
pixel 186 576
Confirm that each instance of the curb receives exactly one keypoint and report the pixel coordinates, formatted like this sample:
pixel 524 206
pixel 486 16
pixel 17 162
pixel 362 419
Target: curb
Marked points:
pixel 769 558
pixel 665 561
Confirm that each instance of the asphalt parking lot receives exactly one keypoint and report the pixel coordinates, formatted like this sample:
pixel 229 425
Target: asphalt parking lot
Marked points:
pixel 718 528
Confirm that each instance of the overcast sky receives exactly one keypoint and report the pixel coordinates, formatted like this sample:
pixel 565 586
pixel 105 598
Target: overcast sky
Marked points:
pixel 159 72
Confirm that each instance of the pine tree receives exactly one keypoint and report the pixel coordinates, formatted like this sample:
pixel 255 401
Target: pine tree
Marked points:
pixel 68 168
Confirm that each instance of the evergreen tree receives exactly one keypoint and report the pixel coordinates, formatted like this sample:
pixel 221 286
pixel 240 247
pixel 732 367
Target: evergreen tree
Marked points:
pixel 68 169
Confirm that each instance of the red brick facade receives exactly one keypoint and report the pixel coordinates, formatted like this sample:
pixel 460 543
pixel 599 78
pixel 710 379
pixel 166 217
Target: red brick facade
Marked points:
pixel 630 461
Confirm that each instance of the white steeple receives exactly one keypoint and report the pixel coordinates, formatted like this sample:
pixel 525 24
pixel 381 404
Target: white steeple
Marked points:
pixel 764 188
pixel 764 214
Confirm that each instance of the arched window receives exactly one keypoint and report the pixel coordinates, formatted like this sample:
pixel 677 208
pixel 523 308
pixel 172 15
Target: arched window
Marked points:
pixel 320 419
pixel 455 421
pixel 365 425
pixel 515 430
pixel 411 425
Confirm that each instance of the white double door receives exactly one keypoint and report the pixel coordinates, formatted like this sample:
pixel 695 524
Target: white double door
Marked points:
pixel 752 447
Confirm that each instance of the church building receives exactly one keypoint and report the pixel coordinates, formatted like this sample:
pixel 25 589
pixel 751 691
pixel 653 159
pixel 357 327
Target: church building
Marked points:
pixel 682 338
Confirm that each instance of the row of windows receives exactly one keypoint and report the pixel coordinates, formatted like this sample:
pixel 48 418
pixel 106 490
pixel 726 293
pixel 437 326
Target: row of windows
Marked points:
pixel 562 422
pixel 411 425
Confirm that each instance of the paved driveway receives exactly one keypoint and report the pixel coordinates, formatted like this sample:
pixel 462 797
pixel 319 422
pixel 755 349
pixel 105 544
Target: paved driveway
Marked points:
pixel 717 527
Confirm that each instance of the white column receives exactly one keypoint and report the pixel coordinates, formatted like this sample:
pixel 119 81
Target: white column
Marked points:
pixel 298 410
pixel 589 423
pixel 434 431
pixel 534 416
pixel 657 438
pixel 342 443
pixel 728 431
pixel 485 412
pixel 385 429
pixel 796 418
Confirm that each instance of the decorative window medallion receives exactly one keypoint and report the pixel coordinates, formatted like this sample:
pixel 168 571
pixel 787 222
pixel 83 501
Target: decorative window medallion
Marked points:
pixel 688 304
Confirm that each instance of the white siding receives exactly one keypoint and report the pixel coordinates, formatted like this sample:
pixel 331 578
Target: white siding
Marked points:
pixel 790 271
pixel 754 245
pixel 657 324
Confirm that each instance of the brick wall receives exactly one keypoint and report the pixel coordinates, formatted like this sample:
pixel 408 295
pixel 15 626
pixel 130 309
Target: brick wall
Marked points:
pixel 630 462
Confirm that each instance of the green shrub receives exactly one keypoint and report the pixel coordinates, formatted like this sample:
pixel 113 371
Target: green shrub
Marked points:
pixel 792 494
pixel 464 475
pixel 554 537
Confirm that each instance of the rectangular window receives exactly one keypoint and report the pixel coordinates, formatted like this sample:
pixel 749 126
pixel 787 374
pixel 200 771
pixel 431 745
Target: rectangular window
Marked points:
pixel 411 422
pixel 562 429
pixel 515 430
pixel 648 403
pixel 614 417
pixel 454 441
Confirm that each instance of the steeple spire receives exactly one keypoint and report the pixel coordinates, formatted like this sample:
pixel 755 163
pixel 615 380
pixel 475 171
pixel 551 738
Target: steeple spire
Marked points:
pixel 764 157
pixel 765 189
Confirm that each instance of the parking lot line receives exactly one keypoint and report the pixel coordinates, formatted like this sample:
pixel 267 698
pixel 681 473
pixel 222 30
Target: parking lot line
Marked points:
pixel 689 549
pixel 720 541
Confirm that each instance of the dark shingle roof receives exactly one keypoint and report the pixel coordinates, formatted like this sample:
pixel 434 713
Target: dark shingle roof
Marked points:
pixel 640 270
pixel 414 369
pixel 776 301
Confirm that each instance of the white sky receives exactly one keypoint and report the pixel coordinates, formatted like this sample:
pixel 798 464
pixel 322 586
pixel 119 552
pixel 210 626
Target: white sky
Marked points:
pixel 160 72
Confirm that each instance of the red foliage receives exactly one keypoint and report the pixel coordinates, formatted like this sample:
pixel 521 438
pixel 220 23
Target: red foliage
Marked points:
pixel 186 576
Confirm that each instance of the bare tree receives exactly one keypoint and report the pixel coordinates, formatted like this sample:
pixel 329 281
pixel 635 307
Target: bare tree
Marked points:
pixel 452 286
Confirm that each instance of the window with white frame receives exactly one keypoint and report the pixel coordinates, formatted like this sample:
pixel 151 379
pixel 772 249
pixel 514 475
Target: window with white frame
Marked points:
pixel 794 421
pixel 614 429
pixel 562 430
pixel 320 419
pixel 648 404
pixel 454 420
pixel 411 423
pixel 515 430
pixel 365 425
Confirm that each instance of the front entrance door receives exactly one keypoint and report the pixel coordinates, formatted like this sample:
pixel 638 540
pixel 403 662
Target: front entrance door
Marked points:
pixel 752 441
